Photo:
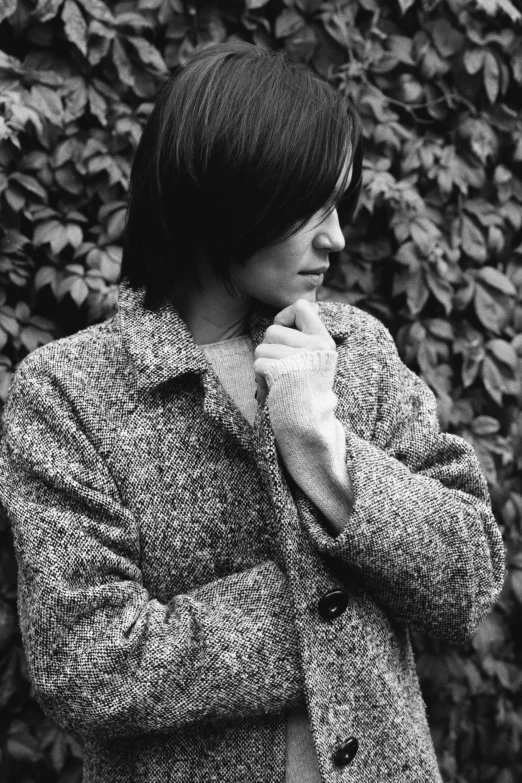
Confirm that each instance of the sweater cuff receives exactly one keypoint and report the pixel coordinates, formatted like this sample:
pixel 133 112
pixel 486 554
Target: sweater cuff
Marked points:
pixel 322 363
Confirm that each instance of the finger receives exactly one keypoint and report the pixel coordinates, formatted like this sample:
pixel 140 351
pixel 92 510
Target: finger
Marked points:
pixel 302 315
pixel 287 316
pixel 273 351
pixel 283 335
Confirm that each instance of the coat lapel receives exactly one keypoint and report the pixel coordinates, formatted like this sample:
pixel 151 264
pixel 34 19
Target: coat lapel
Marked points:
pixel 162 348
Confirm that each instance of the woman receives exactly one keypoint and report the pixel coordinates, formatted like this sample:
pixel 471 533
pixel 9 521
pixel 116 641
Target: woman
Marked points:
pixel 214 586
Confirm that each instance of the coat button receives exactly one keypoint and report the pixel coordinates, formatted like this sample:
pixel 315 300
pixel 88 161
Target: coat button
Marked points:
pixel 345 753
pixel 333 604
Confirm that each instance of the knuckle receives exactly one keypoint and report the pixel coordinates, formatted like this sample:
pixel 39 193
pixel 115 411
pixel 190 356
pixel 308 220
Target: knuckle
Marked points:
pixel 324 343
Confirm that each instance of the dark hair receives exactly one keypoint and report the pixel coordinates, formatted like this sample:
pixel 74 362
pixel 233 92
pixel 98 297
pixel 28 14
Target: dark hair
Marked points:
pixel 241 149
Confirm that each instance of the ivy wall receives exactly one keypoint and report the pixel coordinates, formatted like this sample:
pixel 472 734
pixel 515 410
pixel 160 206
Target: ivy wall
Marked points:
pixel 434 252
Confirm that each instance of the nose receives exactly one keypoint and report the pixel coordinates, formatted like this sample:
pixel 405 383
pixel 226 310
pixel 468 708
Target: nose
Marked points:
pixel 329 235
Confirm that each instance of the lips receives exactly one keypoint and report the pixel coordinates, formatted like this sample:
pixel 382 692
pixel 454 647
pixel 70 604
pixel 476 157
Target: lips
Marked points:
pixel 321 270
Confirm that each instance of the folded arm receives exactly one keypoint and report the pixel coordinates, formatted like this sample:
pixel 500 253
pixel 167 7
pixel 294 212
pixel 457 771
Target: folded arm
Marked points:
pixel 417 528
pixel 308 436
pixel 104 656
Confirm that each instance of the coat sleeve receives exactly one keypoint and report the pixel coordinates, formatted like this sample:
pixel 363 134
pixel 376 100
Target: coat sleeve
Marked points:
pixel 421 535
pixel 105 657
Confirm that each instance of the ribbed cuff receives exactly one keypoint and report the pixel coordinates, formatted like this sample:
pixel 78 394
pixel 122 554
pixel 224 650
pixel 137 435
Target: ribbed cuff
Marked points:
pixel 316 362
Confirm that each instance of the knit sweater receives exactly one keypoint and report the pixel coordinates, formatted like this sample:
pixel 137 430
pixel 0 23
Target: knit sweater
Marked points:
pixel 312 444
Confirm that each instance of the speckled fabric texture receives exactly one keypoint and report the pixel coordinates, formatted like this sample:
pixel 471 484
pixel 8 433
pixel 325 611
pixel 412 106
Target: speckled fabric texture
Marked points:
pixel 170 569
pixel 233 362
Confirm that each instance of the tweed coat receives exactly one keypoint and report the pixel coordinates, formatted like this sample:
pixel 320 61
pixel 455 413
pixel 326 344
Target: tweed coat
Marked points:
pixel 171 572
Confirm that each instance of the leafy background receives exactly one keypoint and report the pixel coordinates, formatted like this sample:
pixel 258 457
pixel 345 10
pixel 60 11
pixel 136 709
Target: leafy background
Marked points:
pixel 434 252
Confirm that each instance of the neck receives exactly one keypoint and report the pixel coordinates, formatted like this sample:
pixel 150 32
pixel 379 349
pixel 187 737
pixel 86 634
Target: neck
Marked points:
pixel 213 314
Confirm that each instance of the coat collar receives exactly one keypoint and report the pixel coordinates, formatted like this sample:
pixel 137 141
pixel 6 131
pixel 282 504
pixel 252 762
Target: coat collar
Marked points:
pixel 161 346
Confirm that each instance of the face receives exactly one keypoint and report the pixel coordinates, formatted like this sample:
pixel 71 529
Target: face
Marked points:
pixel 281 274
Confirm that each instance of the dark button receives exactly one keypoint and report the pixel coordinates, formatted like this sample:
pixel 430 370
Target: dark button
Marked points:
pixel 345 753
pixel 333 604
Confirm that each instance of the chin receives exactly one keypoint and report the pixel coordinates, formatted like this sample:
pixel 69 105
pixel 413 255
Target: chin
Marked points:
pixel 282 298
pixel 310 295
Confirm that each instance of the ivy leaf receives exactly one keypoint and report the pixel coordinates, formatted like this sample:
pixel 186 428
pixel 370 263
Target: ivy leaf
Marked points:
pixel 473 240
pixel 31 184
pixel 405 5
pixel 425 234
pixel 56 740
pixel 401 48
pixel 116 224
pixel 474 60
pixel 8 322
pixel 486 213
pixel 9 676
pixel 47 103
pixel 288 23
pixel 122 63
pixel 74 235
pixel 440 288
pixel 417 292
pixel 308 6
pixel 134 21
pixel 32 337
pixel 497 279
pixel 490 308
pixel 512 212
pixel 440 328
pixel 301 45
pixel 98 10
pixel 46 10
pixel 97 105
pixel 446 38
pixel 492 379
pixel 147 53
pixel 485 425
pixel 490 637
pixel 20 745
pixel 75 99
pixel 492 7
pixel 75 25
pixel 7 8
pixel 100 37
pixel 76 287
pixel 503 352
pixel 53 233
pixel 10 65
pixel 483 142
pixel 515 579
pixel 67 178
pixel 491 76
pixel 47 275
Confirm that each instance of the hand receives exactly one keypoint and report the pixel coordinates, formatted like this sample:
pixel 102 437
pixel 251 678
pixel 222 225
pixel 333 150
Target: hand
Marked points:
pixel 295 329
